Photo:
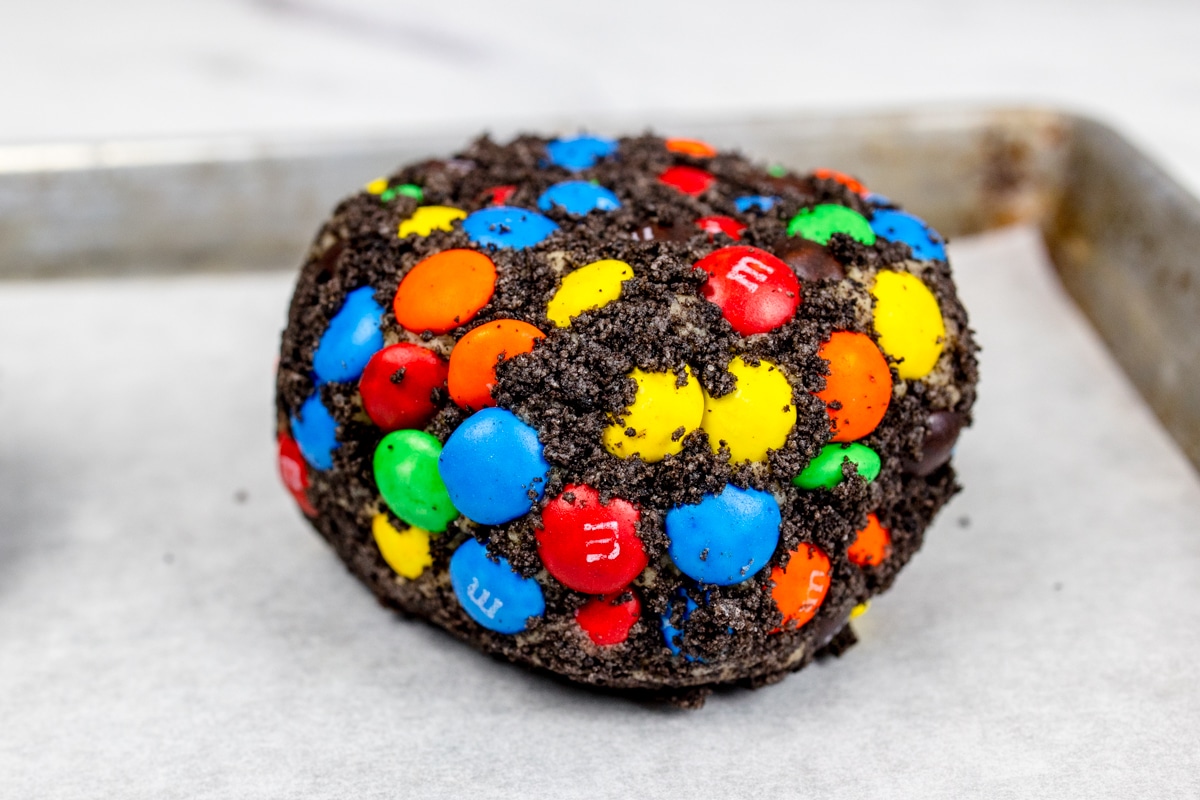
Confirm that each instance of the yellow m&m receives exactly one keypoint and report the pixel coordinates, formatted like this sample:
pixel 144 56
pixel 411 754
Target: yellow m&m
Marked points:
pixel 909 322
pixel 586 289
pixel 661 415
pixel 427 219
pixel 406 552
pixel 755 417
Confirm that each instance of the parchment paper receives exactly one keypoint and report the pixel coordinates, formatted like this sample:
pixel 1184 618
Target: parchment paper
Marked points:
pixel 169 627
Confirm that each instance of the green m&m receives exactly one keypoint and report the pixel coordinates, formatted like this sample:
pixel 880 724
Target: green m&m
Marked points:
pixel 825 471
pixel 406 471
pixel 821 222
pixel 405 190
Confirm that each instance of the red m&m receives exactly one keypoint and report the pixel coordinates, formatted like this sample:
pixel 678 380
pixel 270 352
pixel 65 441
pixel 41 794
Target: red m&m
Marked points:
pixel 606 620
pixel 755 291
pixel 294 472
pixel 590 547
pixel 688 180
pixel 721 224
pixel 399 386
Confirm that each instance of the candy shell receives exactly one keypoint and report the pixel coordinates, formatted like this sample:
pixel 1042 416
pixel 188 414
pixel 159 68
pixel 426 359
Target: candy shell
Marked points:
pixel 800 587
pixel 406 472
pixel 721 224
pixel 755 291
pixel 578 197
pixel 445 290
pixel 825 471
pixel 909 322
pixel 673 634
pixel 493 467
pixel 851 183
pixel 900 226
pixel 688 180
pixel 498 195
pixel 809 260
pixel 474 358
pixel 508 227
pixel 725 538
pixel 427 219
pixel 315 432
pixel 756 202
pixel 691 147
pixel 859 382
pixel 580 152
pixel 589 546
pixel 661 415
pixel 294 473
pixel 607 620
pixel 755 417
pixel 871 545
pixel 400 386
pixel 491 592
pixel 403 190
pixel 819 223
pixel 376 186
pixel 941 434
pixel 590 287
pixel 406 552
pixel 353 336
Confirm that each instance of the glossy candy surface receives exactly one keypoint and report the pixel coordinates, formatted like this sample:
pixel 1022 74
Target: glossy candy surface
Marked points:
pixel 755 291
pixel 400 386
pixel 800 587
pixel 473 361
pixel 508 226
pixel 663 412
pixel 493 467
pixel 900 226
pixel 590 546
pixel 909 322
pixel 819 223
pixel 315 433
pixel 406 551
pixel 491 593
pixel 294 473
pixel 579 152
pixel 607 620
pixel 719 223
pixel 427 219
pixel 755 417
pixel 871 544
pixel 691 147
pixel 444 291
pixel 590 287
pixel 578 197
pixel 825 471
pixel 689 180
pixel 406 472
pixel 941 434
pixel 725 538
pixel 858 388
pixel 755 202
pixel 353 336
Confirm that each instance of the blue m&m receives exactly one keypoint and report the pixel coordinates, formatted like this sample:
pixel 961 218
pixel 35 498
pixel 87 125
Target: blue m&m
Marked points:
pixel 353 336
pixel 315 432
pixel 579 152
pixel 758 202
pixel 508 226
pixel 672 634
pixel 900 226
pixel 578 197
pixel 725 538
pixel 491 593
pixel 493 467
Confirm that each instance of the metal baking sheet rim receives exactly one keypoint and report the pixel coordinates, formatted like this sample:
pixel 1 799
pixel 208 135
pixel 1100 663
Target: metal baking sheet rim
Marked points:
pixel 1121 232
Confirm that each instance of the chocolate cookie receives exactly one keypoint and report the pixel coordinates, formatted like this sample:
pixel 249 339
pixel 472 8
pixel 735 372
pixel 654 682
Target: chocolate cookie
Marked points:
pixel 633 411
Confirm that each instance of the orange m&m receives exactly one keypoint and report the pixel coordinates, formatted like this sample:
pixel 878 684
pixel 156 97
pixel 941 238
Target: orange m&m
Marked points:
pixel 691 147
pixel 473 360
pixel 853 184
pixel 872 544
pixel 800 587
pixel 444 291
pixel 859 385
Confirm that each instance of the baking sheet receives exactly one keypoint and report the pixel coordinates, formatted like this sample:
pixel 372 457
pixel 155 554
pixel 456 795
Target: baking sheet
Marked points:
pixel 169 627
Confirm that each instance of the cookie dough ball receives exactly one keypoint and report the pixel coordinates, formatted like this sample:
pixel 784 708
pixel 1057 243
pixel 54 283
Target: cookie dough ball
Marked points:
pixel 635 411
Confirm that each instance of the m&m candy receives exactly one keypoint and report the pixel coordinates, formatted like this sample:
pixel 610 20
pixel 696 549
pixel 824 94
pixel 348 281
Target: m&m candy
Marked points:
pixel 755 417
pixel 725 538
pixel 858 388
pixel 493 467
pixel 506 226
pixel 406 471
pixel 800 587
pixel 664 410
pixel 688 180
pixel 406 552
pixel 579 152
pixel 754 202
pixel 473 361
pixel 820 223
pixel 588 545
pixel 590 287
pixel 718 223
pixel 909 322
pixel 941 434
pixel 755 291
pixel 401 386
pixel 578 197
pixel 871 544
pixel 607 620
pixel 825 471
pixel 353 336
pixel 491 592
pixel 315 432
pixel 691 147
pixel 672 634
pixel 900 226
pixel 427 219
pixel 294 473
pixel 445 290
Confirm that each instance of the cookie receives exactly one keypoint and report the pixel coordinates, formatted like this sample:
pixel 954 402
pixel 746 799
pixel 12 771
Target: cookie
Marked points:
pixel 636 412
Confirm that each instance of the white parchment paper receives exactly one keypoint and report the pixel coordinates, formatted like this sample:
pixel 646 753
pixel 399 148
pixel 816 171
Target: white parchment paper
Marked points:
pixel 169 627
